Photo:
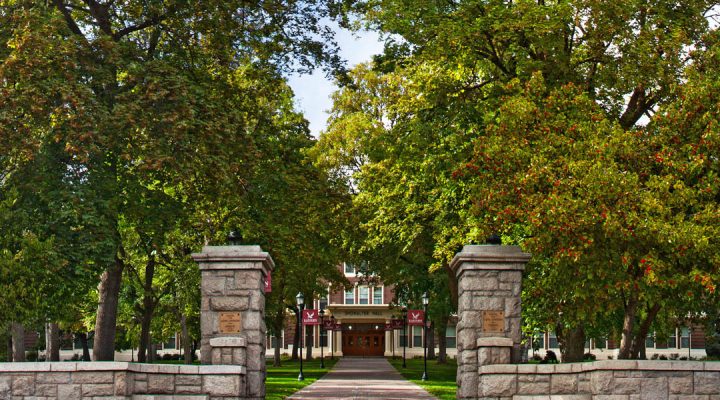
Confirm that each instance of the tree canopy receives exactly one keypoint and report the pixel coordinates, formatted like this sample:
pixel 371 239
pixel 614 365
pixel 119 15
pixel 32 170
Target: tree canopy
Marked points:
pixel 550 123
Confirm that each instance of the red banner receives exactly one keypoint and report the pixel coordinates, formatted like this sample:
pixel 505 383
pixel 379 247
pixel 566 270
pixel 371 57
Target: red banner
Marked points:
pixel 328 324
pixel 338 327
pixel 397 324
pixel 388 327
pixel 415 317
pixel 310 317
pixel 268 282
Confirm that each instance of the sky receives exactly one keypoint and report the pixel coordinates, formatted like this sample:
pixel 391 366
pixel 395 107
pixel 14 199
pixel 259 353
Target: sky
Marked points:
pixel 312 92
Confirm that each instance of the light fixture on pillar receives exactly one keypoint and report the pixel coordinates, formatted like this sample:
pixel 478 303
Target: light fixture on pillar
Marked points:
pixel 322 326
pixel 234 238
pixel 301 305
pixel 425 301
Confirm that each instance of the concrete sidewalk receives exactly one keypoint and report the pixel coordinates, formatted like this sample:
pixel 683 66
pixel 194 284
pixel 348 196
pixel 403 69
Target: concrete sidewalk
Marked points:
pixel 362 378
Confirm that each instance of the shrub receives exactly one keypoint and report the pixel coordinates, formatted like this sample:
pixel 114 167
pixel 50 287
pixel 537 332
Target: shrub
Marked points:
pixel 76 357
pixel 663 357
pixel 683 358
pixel 32 355
pixel 674 356
pixel 536 357
pixel 550 358
pixel 589 357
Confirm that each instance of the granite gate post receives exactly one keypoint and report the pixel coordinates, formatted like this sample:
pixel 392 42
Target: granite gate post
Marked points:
pixel 488 330
pixel 232 310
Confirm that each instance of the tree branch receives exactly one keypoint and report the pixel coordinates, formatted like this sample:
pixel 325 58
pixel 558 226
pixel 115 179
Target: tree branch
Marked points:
pixel 60 5
pixel 134 28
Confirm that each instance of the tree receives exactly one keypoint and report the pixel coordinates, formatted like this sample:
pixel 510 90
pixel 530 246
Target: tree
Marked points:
pixel 144 98
pixel 454 65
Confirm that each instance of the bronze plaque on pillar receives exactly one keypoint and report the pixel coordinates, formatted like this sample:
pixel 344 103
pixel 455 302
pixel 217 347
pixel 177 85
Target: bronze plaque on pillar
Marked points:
pixel 493 322
pixel 230 322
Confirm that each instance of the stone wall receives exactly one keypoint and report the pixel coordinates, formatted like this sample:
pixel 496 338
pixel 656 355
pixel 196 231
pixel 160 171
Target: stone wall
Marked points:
pixel 602 380
pixel 119 380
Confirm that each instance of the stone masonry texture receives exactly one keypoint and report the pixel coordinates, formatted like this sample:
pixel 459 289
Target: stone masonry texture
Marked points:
pixel 119 380
pixel 233 280
pixel 489 279
pixel 602 380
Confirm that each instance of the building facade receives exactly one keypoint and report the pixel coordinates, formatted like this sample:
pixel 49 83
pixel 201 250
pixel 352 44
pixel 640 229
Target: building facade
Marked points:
pixel 362 314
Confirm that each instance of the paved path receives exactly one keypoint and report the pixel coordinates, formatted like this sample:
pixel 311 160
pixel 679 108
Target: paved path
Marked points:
pixel 363 378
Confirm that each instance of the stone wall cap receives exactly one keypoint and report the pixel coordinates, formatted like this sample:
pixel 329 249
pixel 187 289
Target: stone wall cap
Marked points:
pixel 228 342
pixel 24 367
pixel 485 256
pixel 494 342
pixel 211 255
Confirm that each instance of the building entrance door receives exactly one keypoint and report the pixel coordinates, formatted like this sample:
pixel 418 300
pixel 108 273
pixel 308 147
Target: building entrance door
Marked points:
pixel 367 343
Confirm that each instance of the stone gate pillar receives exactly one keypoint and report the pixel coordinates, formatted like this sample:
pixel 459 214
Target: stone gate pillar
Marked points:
pixel 232 310
pixel 488 330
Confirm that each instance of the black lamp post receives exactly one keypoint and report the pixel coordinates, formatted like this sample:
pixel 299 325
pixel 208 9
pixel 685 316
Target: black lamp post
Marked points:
pixel 404 315
pixel 425 301
pixel 322 327
pixel 301 305
pixel 332 338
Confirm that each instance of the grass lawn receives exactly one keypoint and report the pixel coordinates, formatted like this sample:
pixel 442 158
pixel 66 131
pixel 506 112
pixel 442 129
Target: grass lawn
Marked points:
pixel 282 381
pixel 441 377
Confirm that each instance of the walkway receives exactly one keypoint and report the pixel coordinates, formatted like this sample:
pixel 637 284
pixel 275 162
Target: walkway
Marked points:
pixel 363 378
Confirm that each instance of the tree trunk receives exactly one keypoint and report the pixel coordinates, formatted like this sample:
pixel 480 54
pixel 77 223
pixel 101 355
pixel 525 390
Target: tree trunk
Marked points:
pixel 186 343
pixel 106 321
pixel 10 348
pixel 18 342
pixel 84 343
pixel 148 309
pixel 296 336
pixel 431 341
pixel 309 342
pixel 628 327
pixel 52 341
pixel 277 330
pixel 637 349
pixel 572 343
pixel 452 285
pixel 442 341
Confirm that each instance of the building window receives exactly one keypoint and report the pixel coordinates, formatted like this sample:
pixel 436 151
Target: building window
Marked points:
pixel 650 341
pixel 350 296
pixel 552 340
pixel 403 341
pixel 364 294
pixel 672 340
pixel 170 344
pixel 349 268
pixel 684 338
pixel 272 341
pixel 450 337
pixel 323 338
pixel 417 336
pixel 377 295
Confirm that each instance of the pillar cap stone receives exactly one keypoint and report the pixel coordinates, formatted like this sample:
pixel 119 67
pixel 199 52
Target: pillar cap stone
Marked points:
pixel 223 257
pixel 489 257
